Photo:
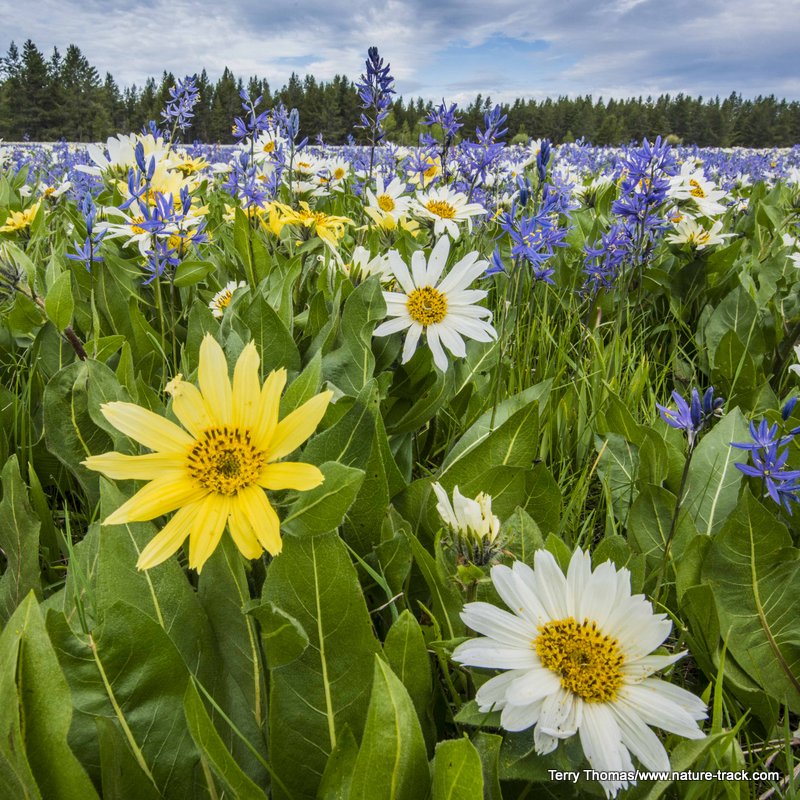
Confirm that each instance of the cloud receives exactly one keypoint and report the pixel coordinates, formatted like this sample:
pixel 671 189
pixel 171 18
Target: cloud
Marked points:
pixel 452 48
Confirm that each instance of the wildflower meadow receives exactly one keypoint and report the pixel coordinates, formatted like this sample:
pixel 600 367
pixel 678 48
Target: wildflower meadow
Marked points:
pixel 461 470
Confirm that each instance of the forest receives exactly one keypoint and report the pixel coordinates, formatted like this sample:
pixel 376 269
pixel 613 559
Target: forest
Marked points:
pixel 65 96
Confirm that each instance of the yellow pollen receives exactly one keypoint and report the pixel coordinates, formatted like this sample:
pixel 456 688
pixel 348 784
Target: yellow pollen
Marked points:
pixel 432 171
pixel 224 460
pixel 427 305
pixel 386 202
pixel 697 189
pixel 588 663
pixel 441 208
pixel 339 174
pixel 269 147
pixel 135 227
pixel 49 191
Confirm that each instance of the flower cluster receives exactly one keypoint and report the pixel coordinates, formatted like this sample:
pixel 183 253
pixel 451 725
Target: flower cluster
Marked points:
pixel 182 99
pixel 769 452
pixel 375 90
pixel 693 416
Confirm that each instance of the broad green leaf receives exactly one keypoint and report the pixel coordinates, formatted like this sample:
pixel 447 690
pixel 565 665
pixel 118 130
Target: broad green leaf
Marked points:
pixel 322 509
pixel 391 762
pixel 618 465
pixel 282 635
pixel 128 669
pixel 59 303
pixel 211 745
pixel 273 341
pixel 19 542
pixel 407 654
pixel 713 484
pixel 755 573
pixel 488 747
pixel 457 773
pixel 338 775
pixel 36 714
pixel 315 696
pixel 121 776
pixel 190 272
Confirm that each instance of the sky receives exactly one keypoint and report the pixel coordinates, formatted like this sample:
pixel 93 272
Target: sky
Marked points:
pixel 445 49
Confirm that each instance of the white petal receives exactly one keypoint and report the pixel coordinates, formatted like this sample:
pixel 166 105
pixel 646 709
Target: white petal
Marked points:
pixel 562 713
pixel 520 718
pixel 439 357
pixel 418 269
pixel 393 326
pixel 450 339
pixel 550 584
pixel 534 685
pixel 499 625
pixel 543 742
pixel 645 666
pixel 515 589
pixel 493 692
pixel 400 271
pixel 578 574
pixel 639 739
pixel 489 654
pixel 437 261
pixel 663 708
pixel 412 338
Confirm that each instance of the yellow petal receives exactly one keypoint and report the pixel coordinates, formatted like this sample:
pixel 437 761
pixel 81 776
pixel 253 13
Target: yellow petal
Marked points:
pixel 242 531
pixel 212 514
pixel 212 375
pixel 189 407
pixel 293 430
pixel 122 467
pixel 169 539
pixel 166 493
pixel 144 426
pixel 262 517
pixel 290 475
pixel 246 388
pixel 269 406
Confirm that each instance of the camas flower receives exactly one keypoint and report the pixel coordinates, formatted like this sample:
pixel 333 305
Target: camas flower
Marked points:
pixel 577 659
pixel 215 468
pixel 444 310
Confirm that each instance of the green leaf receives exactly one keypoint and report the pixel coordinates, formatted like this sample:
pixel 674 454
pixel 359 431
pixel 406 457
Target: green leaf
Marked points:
pixel 407 654
pixel 315 696
pixel 322 509
pixel 338 775
pixel 282 635
pixel 457 773
pixel 58 303
pixel 618 464
pixel 273 341
pixel 121 775
pixel 128 669
pixel 34 691
pixel 488 747
pixel 211 745
pixel 19 542
pixel 755 573
pixel 713 484
pixel 189 273
pixel 507 436
pixel 391 762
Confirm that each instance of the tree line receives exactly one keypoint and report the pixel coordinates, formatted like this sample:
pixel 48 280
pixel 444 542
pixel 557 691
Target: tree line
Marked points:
pixel 63 96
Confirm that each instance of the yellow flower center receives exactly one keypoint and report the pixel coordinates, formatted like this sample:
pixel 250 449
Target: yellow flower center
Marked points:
pixel 135 227
pixel 269 147
pixel 49 191
pixel 427 305
pixel 224 300
pixel 339 173
pixel 432 171
pixel 587 662
pixel 224 459
pixel 441 208
pixel 697 189
pixel 386 202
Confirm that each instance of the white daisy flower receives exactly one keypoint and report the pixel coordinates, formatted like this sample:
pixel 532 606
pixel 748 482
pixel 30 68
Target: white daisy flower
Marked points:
pixel 446 208
pixel 389 200
pixel 692 184
pixel 577 654
pixel 222 299
pixel 444 310
pixel 690 231
pixel 363 264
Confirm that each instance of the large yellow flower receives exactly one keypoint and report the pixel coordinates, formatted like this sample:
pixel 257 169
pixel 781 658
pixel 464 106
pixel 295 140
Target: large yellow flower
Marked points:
pixel 328 227
pixel 19 220
pixel 215 471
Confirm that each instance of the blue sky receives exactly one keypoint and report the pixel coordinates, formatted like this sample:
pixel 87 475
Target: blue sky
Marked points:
pixel 450 49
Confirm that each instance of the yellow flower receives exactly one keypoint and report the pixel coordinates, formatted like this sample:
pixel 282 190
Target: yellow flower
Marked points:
pixel 215 471
pixel 19 220
pixel 329 228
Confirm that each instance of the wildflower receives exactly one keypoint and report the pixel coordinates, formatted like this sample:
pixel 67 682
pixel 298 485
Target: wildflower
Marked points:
pixel 215 468
pixel 691 184
pixel 576 655
pixel 389 199
pixel 20 220
pixel 363 265
pixel 692 417
pixel 447 208
pixel 471 523
pixel 690 231
pixel 222 299
pixel 444 310
pixel 182 99
pixel 327 227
